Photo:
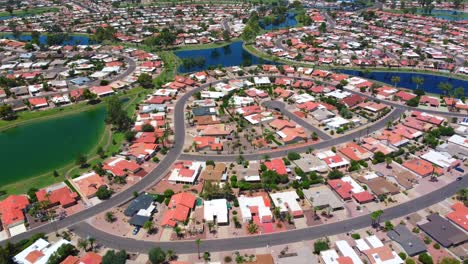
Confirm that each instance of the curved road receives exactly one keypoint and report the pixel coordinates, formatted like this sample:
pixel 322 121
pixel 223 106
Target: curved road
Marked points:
pixel 77 220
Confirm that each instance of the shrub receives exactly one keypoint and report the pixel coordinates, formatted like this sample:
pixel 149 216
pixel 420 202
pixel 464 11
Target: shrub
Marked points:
pixel 424 258
pixel 410 261
pixel 436 246
pixel 293 156
pixel 356 236
pixel 320 245
pixel 402 255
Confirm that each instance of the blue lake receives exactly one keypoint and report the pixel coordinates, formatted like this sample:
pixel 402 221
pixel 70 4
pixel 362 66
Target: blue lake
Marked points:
pixel 290 21
pixel 71 40
pixel 430 81
pixel 448 14
pixel 229 55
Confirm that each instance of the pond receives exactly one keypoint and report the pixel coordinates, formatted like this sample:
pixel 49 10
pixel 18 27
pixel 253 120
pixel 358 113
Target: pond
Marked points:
pixel 430 84
pixel 73 40
pixel 41 147
pixel 289 21
pixel 226 56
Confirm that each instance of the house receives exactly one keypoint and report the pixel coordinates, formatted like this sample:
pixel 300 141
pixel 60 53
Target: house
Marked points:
pixel 39 252
pixel 292 135
pixel 373 145
pixel 379 185
pixel 287 202
pixel 333 160
pixel 206 142
pixel 140 210
pixel 372 107
pixel 441 159
pixel 214 173
pixel 38 102
pixel 12 210
pixel 322 197
pixel 102 91
pixel 179 209
pixel 255 207
pixel 405 96
pixel 411 243
pixel 347 187
pixel 377 252
pixel 59 194
pixel 335 122
pixel 91 258
pixel 352 100
pixel 88 184
pixel 355 152
pixel 186 172
pixel 443 231
pixel 459 215
pixel 276 165
pixel 216 211
pixel 140 151
pixel 421 167
pixel 347 251
pixel 311 163
pixel 119 166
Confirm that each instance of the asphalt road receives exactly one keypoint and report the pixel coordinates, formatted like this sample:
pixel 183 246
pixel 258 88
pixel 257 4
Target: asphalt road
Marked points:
pixel 78 220
pixel 286 237
pixel 282 108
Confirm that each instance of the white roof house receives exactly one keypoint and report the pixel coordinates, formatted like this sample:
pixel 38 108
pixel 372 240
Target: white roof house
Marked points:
pixel 254 205
pixel 186 175
pixel 261 80
pixel 347 251
pixel 329 256
pixel 377 252
pixel 287 202
pixel 39 252
pixel 459 140
pixel 356 188
pixel 441 159
pixel 338 94
pixel 216 208
pixel 335 122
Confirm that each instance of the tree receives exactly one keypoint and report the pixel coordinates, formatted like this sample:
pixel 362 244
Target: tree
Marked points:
pixel 112 257
pixel 81 160
pixel 388 161
pixel 9 9
pixel 294 156
pixel 395 80
pixel 100 151
pixel 335 174
pixel 320 245
pixel 417 80
pixel 198 242
pixel 145 80
pixel 83 244
pixel 252 228
pixel 157 255
pixel 447 260
pixel 323 27
pixel 6 112
pixel 91 241
pixel 388 226
pixel 148 226
pixel 375 217
pixel 62 253
pixel 116 115
pixel 109 216
pixel 206 256
pixel 103 193
pixel 424 258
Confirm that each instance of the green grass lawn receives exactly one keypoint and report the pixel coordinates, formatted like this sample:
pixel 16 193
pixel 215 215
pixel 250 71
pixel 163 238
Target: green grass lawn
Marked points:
pixel 33 11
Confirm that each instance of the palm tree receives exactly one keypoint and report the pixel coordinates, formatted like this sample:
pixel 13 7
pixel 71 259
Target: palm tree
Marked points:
pixel 388 160
pixel 395 80
pixel 83 244
pixel 417 80
pixel 91 241
pixel 375 217
pixel 198 243
pixel 170 254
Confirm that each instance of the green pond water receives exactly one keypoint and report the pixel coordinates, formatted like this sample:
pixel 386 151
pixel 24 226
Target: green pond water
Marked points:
pixel 41 147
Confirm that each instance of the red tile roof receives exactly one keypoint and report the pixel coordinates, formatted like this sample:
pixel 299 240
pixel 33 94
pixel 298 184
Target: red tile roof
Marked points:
pixel 63 196
pixel 276 165
pixel 459 215
pixel 12 208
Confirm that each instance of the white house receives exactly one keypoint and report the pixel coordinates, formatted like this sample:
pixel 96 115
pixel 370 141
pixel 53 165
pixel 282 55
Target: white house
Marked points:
pixel 39 252
pixel 216 211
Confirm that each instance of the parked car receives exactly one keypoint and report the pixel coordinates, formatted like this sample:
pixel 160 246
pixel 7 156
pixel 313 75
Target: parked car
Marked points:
pixel 459 169
pixel 136 230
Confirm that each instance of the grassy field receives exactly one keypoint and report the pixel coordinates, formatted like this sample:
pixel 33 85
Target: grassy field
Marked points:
pixel 33 11
pixel 206 46
pixel 460 15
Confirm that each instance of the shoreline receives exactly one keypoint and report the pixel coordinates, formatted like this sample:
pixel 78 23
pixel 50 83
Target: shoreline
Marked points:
pixel 252 50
